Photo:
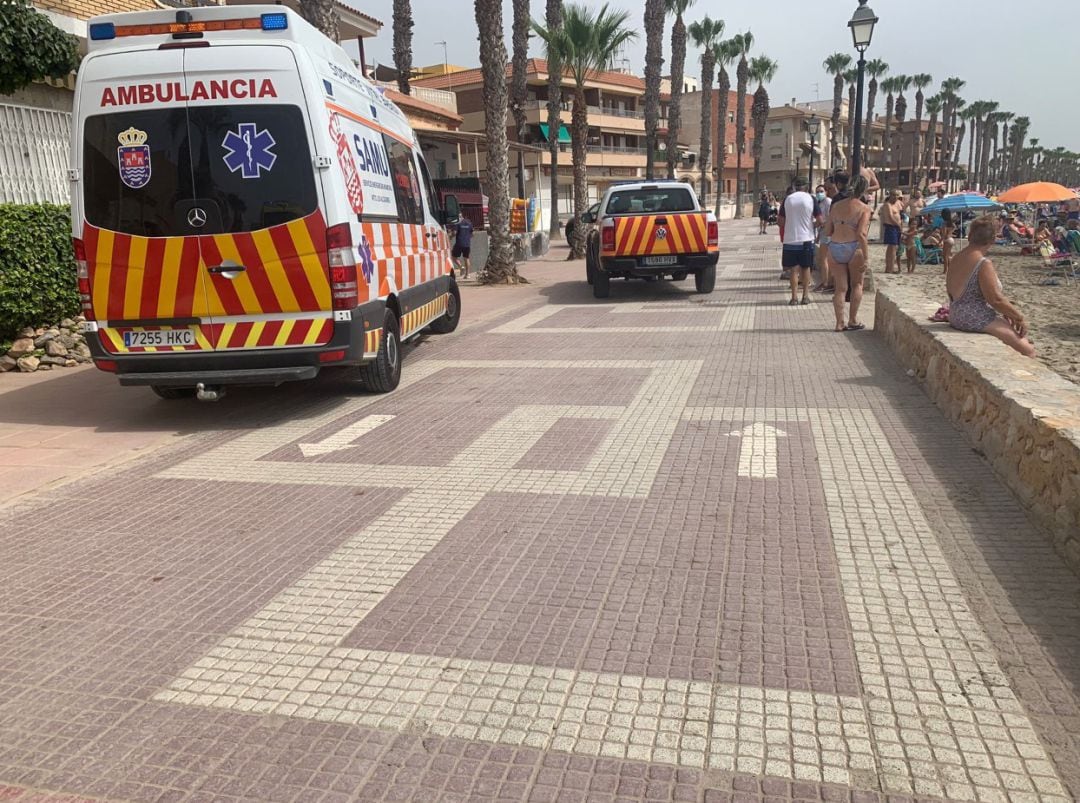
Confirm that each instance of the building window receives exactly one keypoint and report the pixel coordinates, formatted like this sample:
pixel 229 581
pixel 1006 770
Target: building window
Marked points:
pixel 776 129
pixel 731 117
pixel 776 154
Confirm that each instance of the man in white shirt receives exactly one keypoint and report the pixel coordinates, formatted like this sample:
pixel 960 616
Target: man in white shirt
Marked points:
pixel 802 214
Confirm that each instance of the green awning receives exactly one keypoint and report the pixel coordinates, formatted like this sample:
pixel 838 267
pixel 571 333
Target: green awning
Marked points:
pixel 564 135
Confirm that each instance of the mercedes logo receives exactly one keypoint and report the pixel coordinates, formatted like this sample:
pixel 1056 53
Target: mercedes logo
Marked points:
pixel 196 218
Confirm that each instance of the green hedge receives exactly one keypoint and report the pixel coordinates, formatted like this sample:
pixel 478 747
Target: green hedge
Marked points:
pixel 38 284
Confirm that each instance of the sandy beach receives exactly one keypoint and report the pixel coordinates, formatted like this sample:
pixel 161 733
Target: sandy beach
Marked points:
pixel 1053 311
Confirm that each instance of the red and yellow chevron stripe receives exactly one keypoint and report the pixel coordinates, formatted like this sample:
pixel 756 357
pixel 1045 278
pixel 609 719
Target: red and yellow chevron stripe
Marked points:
pixel 372 339
pixel 404 256
pixel 417 319
pixel 642 235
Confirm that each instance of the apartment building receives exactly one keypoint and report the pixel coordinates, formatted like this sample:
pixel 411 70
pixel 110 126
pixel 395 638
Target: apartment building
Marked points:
pixel 616 136
pixel 690 134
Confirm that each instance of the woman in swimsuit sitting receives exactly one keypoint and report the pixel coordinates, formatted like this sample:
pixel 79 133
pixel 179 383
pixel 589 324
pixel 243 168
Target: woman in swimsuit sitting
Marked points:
pixel 847 229
pixel 975 292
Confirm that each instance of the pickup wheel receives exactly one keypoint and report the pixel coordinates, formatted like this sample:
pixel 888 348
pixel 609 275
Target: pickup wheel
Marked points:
pixel 591 259
pixel 601 285
pixel 705 279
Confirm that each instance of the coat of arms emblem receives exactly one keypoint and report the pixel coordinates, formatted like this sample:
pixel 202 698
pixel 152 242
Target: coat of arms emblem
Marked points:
pixel 133 158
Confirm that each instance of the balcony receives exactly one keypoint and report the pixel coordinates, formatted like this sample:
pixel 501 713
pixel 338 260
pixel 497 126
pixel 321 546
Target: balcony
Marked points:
pixel 599 117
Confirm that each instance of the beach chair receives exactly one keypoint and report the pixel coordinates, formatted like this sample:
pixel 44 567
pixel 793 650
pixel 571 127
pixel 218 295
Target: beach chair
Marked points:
pixel 1053 263
pixel 927 256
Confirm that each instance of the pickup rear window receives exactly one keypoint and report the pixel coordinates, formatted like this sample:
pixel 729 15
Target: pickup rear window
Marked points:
pixel 650 201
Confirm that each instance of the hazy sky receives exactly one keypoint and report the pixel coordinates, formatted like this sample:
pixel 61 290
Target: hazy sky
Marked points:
pixel 1022 65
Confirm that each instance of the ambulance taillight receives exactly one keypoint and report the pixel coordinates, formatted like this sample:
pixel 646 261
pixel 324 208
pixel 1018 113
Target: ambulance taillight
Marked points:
pixel 82 271
pixel 342 262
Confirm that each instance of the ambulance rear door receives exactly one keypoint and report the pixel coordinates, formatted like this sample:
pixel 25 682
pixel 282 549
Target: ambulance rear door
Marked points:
pixel 263 238
pixel 136 188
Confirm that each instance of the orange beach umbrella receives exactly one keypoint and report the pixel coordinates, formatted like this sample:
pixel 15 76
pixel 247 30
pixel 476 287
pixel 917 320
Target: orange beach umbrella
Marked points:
pixel 1037 192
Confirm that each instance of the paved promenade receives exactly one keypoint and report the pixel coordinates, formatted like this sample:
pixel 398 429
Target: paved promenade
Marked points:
pixel 665 547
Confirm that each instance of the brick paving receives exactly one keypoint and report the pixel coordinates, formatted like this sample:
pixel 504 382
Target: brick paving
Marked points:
pixel 667 547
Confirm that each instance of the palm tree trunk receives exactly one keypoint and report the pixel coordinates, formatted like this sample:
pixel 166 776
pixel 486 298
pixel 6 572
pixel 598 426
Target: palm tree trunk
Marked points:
pixel 489 21
pixel 958 150
pixel 579 132
pixel 518 86
pixel 886 143
pixel 323 15
pixel 761 116
pixel 553 18
pixel 723 90
pixel 678 64
pixel 916 151
pixel 851 122
pixel 403 25
pixel 871 100
pixel 927 156
pixel 742 74
pixel 654 61
pixel 837 104
pixel 707 64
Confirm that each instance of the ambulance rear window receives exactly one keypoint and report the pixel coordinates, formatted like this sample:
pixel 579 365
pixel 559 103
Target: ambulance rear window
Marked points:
pixel 247 166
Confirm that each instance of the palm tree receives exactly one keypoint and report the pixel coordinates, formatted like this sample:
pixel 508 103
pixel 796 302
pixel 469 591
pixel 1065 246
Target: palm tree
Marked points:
pixel 1006 149
pixel 725 53
pixel 957 147
pixel 655 11
pixel 1034 152
pixel 990 108
pixel 888 86
pixel 553 21
pixel 1017 135
pixel 762 69
pixel 875 69
pixel 403 25
pixel 835 65
pixel 851 77
pixel 705 34
pixel 950 89
pixel 903 84
pixel 934 105
pixel 921 81
pixel 323 15
pixel 489 22
pixel 518 86
pixel 743 41
pixel 586 43
pixel 678 65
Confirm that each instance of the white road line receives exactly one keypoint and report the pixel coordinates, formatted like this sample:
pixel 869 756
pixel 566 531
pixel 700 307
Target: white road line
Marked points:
pixel 344 438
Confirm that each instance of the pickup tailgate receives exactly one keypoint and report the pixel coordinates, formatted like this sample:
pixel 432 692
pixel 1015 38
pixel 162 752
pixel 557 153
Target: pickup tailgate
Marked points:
pixel 659 234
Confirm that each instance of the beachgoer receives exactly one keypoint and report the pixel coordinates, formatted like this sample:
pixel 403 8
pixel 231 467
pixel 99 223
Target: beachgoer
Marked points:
pixel 825 194
pixel 890 229
pixel 909 244
pixel 801 217
pixel 848 227
pixel 945 232
pixel 975 295
pixel 463 230
pixel 915 205
pixel 1043 233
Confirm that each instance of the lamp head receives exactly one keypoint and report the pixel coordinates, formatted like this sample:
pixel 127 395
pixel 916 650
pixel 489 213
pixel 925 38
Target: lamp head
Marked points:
pixel 862 26
pixel 813 126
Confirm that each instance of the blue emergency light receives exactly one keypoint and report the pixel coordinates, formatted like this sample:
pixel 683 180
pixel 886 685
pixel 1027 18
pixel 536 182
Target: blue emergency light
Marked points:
pixel 275 22
pixel 102 30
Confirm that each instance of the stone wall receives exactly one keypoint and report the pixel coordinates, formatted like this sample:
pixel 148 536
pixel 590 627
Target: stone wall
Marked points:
pixel 1023 417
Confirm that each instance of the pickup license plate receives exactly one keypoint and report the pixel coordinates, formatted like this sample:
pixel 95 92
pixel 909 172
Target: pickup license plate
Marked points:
pixel 657 261
pixel 159 338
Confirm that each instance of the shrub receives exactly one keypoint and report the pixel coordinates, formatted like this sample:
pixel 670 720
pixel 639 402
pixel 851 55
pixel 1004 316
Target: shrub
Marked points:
pixel 38 284
pixel 31 47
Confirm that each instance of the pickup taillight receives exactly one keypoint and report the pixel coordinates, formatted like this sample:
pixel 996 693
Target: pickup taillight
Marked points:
pixel 713 232
pixel 342 263
pixel 607 235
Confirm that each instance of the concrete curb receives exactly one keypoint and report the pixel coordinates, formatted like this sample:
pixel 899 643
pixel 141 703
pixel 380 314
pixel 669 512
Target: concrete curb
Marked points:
pixel 1023 417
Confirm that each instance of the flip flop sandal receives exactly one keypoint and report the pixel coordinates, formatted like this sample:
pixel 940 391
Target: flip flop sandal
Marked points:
pixel 793 303
pixel 856 328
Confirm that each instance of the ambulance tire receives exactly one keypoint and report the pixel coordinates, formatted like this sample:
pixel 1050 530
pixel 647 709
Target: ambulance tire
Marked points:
pixel 382 374
pixel 601 286
pixel 172 394
pixel 705 280
pixel 448 322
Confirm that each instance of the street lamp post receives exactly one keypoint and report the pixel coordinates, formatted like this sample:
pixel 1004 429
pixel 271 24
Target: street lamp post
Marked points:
pixel 862 31
pixel 813 126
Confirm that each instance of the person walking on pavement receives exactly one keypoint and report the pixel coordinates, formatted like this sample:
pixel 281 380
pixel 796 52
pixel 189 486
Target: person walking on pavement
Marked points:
pixel 890 229
pixel 802 215
pixel 847 227
pixel 824 194
pixel 462 246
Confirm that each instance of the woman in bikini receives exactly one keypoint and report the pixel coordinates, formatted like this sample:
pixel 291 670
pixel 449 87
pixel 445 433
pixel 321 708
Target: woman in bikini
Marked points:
pixel 976 301
pixel 847 229
pixel 946 236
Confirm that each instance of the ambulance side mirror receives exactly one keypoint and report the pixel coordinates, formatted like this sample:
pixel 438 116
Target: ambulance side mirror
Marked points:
pixel 451 209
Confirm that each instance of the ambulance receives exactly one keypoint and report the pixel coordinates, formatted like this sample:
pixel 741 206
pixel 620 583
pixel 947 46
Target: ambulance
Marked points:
pixel 247 208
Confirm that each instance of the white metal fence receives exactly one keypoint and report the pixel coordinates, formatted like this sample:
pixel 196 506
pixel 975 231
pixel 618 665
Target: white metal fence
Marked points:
pixel 34 155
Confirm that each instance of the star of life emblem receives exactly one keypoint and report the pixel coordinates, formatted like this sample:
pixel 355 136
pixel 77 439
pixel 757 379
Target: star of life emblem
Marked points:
pixel 367 263
pixel 249 150
pixel 133 158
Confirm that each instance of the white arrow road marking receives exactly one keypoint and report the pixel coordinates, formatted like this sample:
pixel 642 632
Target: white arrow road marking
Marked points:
pixel 343 439
pixel 757 453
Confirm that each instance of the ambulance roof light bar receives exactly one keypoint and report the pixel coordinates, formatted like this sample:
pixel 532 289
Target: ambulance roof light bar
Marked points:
pixel 100 31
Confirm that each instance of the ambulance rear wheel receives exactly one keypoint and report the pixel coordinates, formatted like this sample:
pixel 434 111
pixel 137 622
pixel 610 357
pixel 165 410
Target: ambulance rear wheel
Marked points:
pixel 705 280
pixel 172 394
pixel 384 372
pixel 448 322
